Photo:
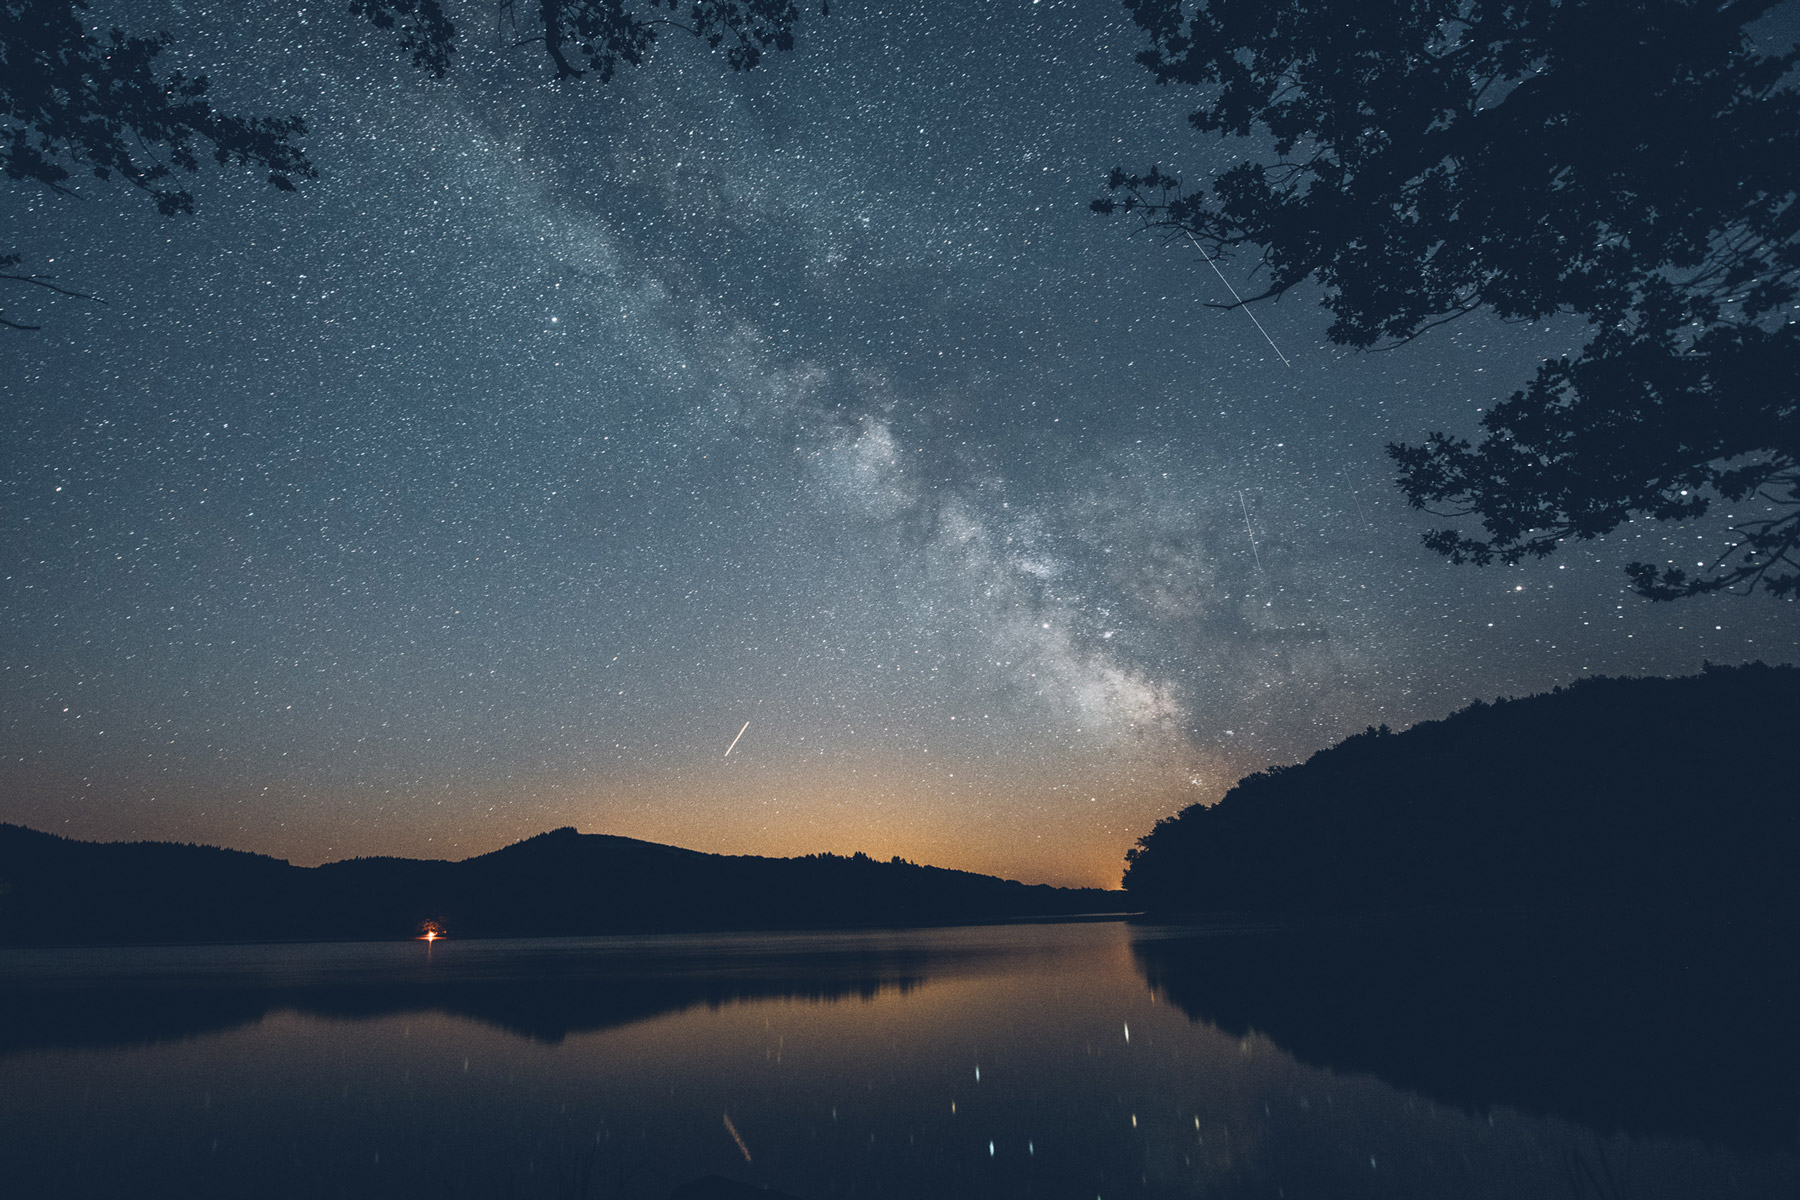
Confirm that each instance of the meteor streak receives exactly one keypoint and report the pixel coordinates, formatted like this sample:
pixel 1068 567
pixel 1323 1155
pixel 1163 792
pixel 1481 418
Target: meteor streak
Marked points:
pixel 729 1127
pixel 1253 550
pixel 1239 299
pixel 734 741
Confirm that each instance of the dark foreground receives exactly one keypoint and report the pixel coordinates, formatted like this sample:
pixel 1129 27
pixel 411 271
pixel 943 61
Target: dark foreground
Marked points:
pixel 1647 1030
pixel 1034 1060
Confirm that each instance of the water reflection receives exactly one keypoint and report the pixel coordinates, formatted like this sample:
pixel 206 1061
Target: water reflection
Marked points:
pixel 1684 1033
pixel 545 989
pixel 1005 1062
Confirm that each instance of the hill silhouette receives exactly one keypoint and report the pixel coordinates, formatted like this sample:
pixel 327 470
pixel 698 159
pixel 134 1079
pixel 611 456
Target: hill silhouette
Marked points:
pixel 57 891
pixel 1672 798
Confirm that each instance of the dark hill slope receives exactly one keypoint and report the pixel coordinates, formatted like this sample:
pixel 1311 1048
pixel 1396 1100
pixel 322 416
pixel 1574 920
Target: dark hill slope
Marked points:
pixel 568 883
pixel 57 891
pixel 1628 795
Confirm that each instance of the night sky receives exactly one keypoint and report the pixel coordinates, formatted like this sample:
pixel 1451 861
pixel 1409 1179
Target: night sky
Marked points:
pixel 493 481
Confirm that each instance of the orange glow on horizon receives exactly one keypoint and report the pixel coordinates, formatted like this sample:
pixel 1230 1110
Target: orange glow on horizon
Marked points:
pixel 1065 818
pixel 1066 822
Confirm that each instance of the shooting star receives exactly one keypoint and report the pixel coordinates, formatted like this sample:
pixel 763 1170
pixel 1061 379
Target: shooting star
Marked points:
pixel 1257 554
pixel 732 1130
pixel 735 740
pixel 1239 299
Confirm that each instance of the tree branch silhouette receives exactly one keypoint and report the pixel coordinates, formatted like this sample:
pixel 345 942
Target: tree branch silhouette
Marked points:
pixel 73 104
pixel 47 282
pixel 1633 163
pixel 78 104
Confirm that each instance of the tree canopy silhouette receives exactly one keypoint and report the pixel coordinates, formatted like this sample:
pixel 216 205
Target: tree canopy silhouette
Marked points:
pixel 1605 796
pixel 1635 162
pixel 601 33
pixel 74 102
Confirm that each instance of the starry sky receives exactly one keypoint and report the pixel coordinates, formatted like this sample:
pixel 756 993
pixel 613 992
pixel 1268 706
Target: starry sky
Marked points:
pixel 497 478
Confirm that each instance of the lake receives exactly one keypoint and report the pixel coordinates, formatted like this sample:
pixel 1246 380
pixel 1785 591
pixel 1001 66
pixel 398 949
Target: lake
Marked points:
pixel 1083 1060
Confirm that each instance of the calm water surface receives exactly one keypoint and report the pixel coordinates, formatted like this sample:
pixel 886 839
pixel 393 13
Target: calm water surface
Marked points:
pixel 1029 1060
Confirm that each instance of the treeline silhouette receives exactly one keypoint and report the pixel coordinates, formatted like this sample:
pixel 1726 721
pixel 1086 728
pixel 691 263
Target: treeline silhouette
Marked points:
pixel 57 891
pixel 1673 798
pixel 1614 1025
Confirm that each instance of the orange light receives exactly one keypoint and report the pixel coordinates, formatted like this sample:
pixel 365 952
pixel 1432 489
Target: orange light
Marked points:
pixel 431 935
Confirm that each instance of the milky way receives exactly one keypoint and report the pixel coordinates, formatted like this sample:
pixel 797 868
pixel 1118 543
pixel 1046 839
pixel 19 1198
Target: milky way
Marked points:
pixel 494 480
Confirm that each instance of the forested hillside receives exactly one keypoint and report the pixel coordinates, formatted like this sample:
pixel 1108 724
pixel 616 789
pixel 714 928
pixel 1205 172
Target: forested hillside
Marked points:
pixel 1621 795
pixel 57 891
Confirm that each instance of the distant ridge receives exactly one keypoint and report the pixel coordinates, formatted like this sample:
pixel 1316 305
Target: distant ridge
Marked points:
pixel 1634 797
pixel 57 891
